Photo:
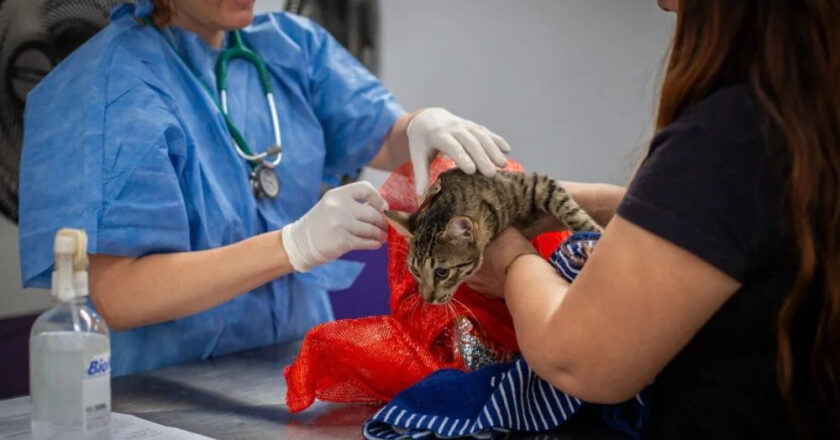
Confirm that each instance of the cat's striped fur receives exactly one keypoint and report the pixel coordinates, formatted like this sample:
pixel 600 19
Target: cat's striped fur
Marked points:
pixel 461 213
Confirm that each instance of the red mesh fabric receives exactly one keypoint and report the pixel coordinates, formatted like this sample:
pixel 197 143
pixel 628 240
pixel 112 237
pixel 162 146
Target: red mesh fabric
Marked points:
pixel 372 359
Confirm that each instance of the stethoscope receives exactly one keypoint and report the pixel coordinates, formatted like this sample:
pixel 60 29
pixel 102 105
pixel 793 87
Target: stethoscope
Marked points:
pixel 263 178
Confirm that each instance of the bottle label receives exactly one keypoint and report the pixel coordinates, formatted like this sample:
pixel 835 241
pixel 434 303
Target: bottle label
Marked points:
pixel 96 392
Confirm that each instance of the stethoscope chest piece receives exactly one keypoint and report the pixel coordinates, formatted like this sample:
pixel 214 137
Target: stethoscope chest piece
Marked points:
pixel 265 182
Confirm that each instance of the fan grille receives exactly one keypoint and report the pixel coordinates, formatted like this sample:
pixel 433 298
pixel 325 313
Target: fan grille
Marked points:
pixel 34 37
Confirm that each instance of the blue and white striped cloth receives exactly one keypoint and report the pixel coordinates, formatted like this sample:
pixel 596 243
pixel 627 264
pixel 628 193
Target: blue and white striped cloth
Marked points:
pixel 491 402
pixel 487 404
pixel 570 256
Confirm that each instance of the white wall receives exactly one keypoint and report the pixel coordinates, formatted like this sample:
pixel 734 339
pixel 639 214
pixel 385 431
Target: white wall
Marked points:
pixel 569 83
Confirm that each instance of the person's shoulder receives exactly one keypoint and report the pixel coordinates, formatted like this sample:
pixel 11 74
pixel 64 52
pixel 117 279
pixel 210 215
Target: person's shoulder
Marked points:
pixel 728 115
pixel 118 57
pixel 292 28
pixel 283 38
pixel 90 65
pixel 726 123
pixel 284 22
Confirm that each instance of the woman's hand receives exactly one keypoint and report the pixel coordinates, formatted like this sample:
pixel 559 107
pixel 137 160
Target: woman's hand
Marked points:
pixel 346 218
pixel 498 255
pixel 472 146
pixel 419 136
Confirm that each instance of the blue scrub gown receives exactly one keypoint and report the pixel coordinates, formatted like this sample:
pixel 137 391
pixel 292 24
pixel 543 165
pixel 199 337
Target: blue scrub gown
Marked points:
pixel 122 141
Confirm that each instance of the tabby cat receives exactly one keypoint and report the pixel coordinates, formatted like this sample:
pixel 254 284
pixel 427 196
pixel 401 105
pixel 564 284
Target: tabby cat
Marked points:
pixel 462 212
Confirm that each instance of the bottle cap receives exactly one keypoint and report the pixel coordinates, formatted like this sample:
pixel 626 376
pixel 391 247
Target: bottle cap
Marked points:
pixel 70 256
pixel 80 283
pixel 65 243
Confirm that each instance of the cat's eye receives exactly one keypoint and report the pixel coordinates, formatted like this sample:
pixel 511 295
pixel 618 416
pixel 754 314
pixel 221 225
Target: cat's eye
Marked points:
pixel 441 273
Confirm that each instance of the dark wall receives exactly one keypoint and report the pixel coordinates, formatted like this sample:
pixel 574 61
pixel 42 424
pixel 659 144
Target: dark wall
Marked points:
pixel 14 356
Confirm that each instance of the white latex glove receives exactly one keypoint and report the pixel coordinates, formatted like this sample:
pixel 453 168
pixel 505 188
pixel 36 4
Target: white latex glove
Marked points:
pixel 470 145
pixel 346 218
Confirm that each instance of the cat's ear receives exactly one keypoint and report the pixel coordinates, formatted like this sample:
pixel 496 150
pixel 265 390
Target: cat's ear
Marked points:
pixel 430 195
pixel 460 227
pixel 399 220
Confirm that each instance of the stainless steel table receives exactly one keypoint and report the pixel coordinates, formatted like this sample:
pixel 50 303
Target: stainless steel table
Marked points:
pixel 243 397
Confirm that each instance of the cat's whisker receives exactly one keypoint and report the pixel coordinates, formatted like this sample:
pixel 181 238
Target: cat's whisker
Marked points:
pixel 423 306
pixel 468 310
pixel 403 255
pixel 403 249
pixel 412 309
pixel 451 309
pixel 418 305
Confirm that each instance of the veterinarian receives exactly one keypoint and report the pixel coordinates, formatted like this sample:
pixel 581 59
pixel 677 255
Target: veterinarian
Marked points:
pixel 197 176
pixel 715 285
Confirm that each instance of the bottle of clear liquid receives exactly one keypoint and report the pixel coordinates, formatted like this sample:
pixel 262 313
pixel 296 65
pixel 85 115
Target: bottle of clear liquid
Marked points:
pixel 70 354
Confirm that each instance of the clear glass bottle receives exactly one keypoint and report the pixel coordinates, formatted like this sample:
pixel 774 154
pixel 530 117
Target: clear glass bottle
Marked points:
pixel 70 354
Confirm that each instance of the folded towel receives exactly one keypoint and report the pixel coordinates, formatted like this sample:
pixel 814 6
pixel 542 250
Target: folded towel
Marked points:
pixel 491 402
pixel 487 403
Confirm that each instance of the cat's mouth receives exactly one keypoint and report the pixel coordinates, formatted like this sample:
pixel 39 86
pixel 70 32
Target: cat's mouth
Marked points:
pixel 441 300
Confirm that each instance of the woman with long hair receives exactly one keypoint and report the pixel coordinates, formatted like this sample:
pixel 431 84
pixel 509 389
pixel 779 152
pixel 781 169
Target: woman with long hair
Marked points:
pixel 716 284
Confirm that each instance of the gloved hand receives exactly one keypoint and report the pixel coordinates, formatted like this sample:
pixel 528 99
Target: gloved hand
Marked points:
pixel 470 145
pixel 346 218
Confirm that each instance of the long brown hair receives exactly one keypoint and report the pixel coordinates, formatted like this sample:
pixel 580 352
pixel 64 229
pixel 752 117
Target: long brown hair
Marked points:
pixel 789 51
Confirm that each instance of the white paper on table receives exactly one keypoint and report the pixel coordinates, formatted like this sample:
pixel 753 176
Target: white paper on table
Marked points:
pixel 15 425
pixel 128 427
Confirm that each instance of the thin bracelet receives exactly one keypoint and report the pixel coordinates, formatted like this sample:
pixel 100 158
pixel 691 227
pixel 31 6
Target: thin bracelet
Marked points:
pixel 507 268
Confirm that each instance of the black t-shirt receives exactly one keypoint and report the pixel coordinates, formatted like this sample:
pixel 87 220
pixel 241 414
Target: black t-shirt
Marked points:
pixel 713 186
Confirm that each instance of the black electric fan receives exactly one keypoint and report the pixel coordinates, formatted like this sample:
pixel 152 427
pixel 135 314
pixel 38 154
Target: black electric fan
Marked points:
pixel 35 35
pixel 354 23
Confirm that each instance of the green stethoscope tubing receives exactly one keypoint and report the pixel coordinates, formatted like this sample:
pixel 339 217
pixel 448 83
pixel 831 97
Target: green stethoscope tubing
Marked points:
pixel 237 49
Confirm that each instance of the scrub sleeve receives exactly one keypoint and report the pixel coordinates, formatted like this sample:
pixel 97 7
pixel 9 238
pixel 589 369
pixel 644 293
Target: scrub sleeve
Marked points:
pixel 119 179
pixel 354 108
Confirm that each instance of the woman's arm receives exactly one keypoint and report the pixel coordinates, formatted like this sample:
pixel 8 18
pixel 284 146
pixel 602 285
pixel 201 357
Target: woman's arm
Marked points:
pixel 394 151
pixel 131 292
pixel 636 303
pixel 599 200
